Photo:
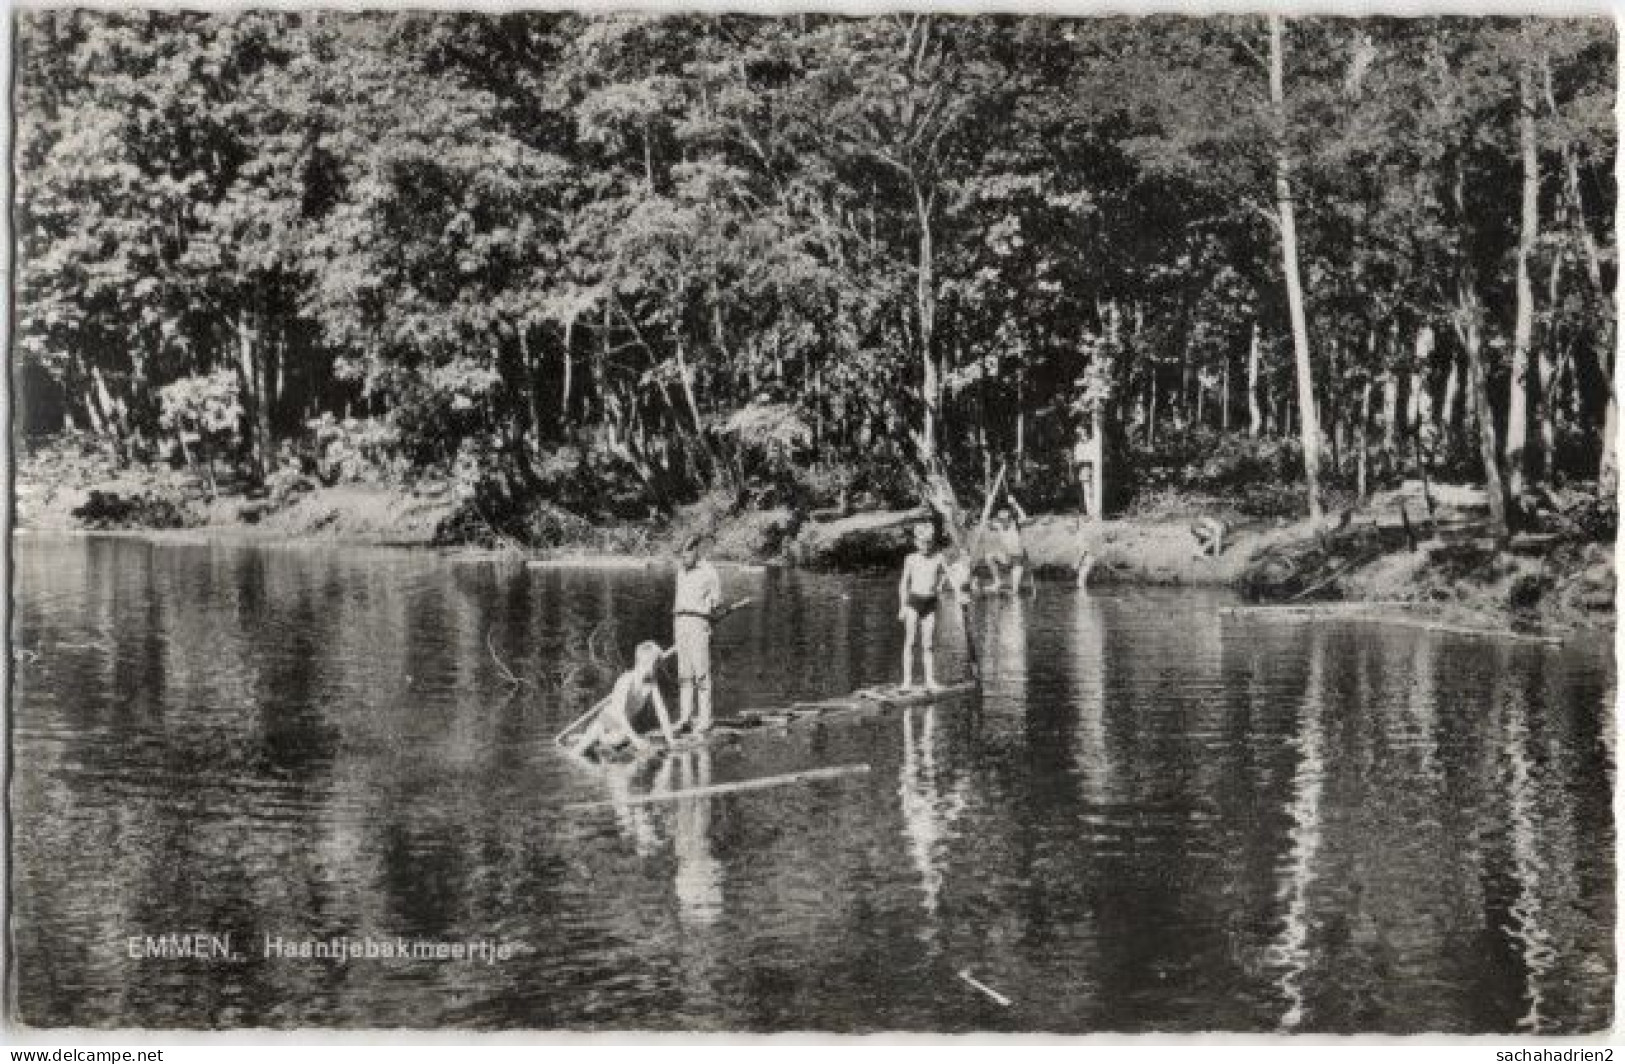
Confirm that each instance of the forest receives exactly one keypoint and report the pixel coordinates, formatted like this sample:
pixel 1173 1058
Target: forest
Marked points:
pixel 622 263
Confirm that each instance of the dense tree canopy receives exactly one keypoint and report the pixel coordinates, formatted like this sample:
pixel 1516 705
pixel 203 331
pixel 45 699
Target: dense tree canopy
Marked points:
pixel 696 252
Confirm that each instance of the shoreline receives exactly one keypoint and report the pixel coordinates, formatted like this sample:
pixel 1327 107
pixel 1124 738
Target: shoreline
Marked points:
pixel 1438 582
pixel 1444 617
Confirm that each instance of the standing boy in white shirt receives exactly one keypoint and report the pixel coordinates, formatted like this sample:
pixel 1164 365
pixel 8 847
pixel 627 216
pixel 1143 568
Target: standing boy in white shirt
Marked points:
pixel 699 594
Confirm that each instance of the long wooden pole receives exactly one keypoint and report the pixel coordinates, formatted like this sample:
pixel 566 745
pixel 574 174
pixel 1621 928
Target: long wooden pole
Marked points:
pixel 987 509
pixel 758 784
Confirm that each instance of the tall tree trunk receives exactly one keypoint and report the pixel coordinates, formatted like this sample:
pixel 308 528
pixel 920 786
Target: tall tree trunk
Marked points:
pixel 1255 417
pixel 1523 329
pixel 251 377
pixel 1390 413
pixel 1608 466
pixel 1362 441
pixel 533 386
pixel 1224 397
pixel 103 413
pixel 1451 415
pixel 1469 322
pixel 1151 411
pixel 1571 174
pixel 600 377
pixel 1419 403
pixel 1309 422
pixel 1549 367
pixel 567 373
pixel 926 302
pixel 1017 475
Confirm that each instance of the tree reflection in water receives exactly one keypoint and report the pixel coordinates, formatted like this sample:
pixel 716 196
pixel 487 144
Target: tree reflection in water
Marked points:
pixel 1291 951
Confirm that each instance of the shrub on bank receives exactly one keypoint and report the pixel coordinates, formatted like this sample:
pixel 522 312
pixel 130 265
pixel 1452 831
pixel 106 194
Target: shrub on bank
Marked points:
pixel 106 510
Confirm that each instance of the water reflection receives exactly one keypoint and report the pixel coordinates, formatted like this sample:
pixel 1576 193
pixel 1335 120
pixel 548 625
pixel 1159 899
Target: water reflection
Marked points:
pixel 699 874
pixel 633 816
pixel 930 805
pixel 1088 660
pixel 1292 948
pixel 1006 634
pixel 1160 819
pixel 655 803
pixel 1527 923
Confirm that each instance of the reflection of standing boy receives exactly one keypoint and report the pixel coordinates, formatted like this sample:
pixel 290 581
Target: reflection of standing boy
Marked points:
pixel 699 593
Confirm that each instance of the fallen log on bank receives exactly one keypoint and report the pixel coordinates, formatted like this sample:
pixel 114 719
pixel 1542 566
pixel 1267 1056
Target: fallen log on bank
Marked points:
pixel 868 540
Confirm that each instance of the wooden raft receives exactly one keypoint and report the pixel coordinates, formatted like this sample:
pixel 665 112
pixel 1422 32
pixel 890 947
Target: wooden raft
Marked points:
pixel 863 700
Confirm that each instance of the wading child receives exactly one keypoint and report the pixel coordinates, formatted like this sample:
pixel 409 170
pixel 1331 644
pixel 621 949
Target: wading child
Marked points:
pixel 1008 550
pixel 925 572
pixel 612 728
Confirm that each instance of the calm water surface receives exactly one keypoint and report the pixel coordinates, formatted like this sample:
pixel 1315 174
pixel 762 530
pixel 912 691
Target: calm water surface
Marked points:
pixel 1157 818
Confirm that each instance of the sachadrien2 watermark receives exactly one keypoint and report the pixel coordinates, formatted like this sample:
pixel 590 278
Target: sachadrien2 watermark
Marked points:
pixel 337 949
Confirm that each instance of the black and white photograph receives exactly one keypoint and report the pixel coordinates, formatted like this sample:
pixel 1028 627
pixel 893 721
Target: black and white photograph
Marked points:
pixel 822 523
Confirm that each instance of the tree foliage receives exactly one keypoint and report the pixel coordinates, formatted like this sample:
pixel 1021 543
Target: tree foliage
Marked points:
pixel 680 245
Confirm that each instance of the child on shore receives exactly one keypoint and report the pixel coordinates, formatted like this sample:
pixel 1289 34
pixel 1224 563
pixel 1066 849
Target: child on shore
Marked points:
pixel 635 688
pixel 920 590
pixel 1209 533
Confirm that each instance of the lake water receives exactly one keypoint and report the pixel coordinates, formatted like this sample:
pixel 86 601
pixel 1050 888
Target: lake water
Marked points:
pixel 1157 818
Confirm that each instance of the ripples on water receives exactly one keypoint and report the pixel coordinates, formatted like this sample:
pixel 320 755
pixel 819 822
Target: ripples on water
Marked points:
pixel 1156 819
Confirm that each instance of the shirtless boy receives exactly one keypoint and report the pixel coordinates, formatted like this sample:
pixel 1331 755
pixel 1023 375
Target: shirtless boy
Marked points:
pixel 635 689
pixel 925 572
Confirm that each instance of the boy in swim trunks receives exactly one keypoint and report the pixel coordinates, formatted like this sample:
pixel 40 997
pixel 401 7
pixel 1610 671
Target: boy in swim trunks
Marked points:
pixel 635 689
pixel 920 590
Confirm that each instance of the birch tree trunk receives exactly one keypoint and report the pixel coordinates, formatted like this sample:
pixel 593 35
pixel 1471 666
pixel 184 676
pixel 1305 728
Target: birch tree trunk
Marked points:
pixel 1255 417
pixel 1390 411
pixel 1363 441
pixel 1469 322
pixel 1608 464
pixel 1549 369
pixel 1450 412
pixel 249 374
pixel 926 301
pixel 1419 404
pixel 1309 422
pixel 1517 438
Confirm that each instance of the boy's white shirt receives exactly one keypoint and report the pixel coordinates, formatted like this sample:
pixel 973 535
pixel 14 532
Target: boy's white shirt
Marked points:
pixel 699 590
